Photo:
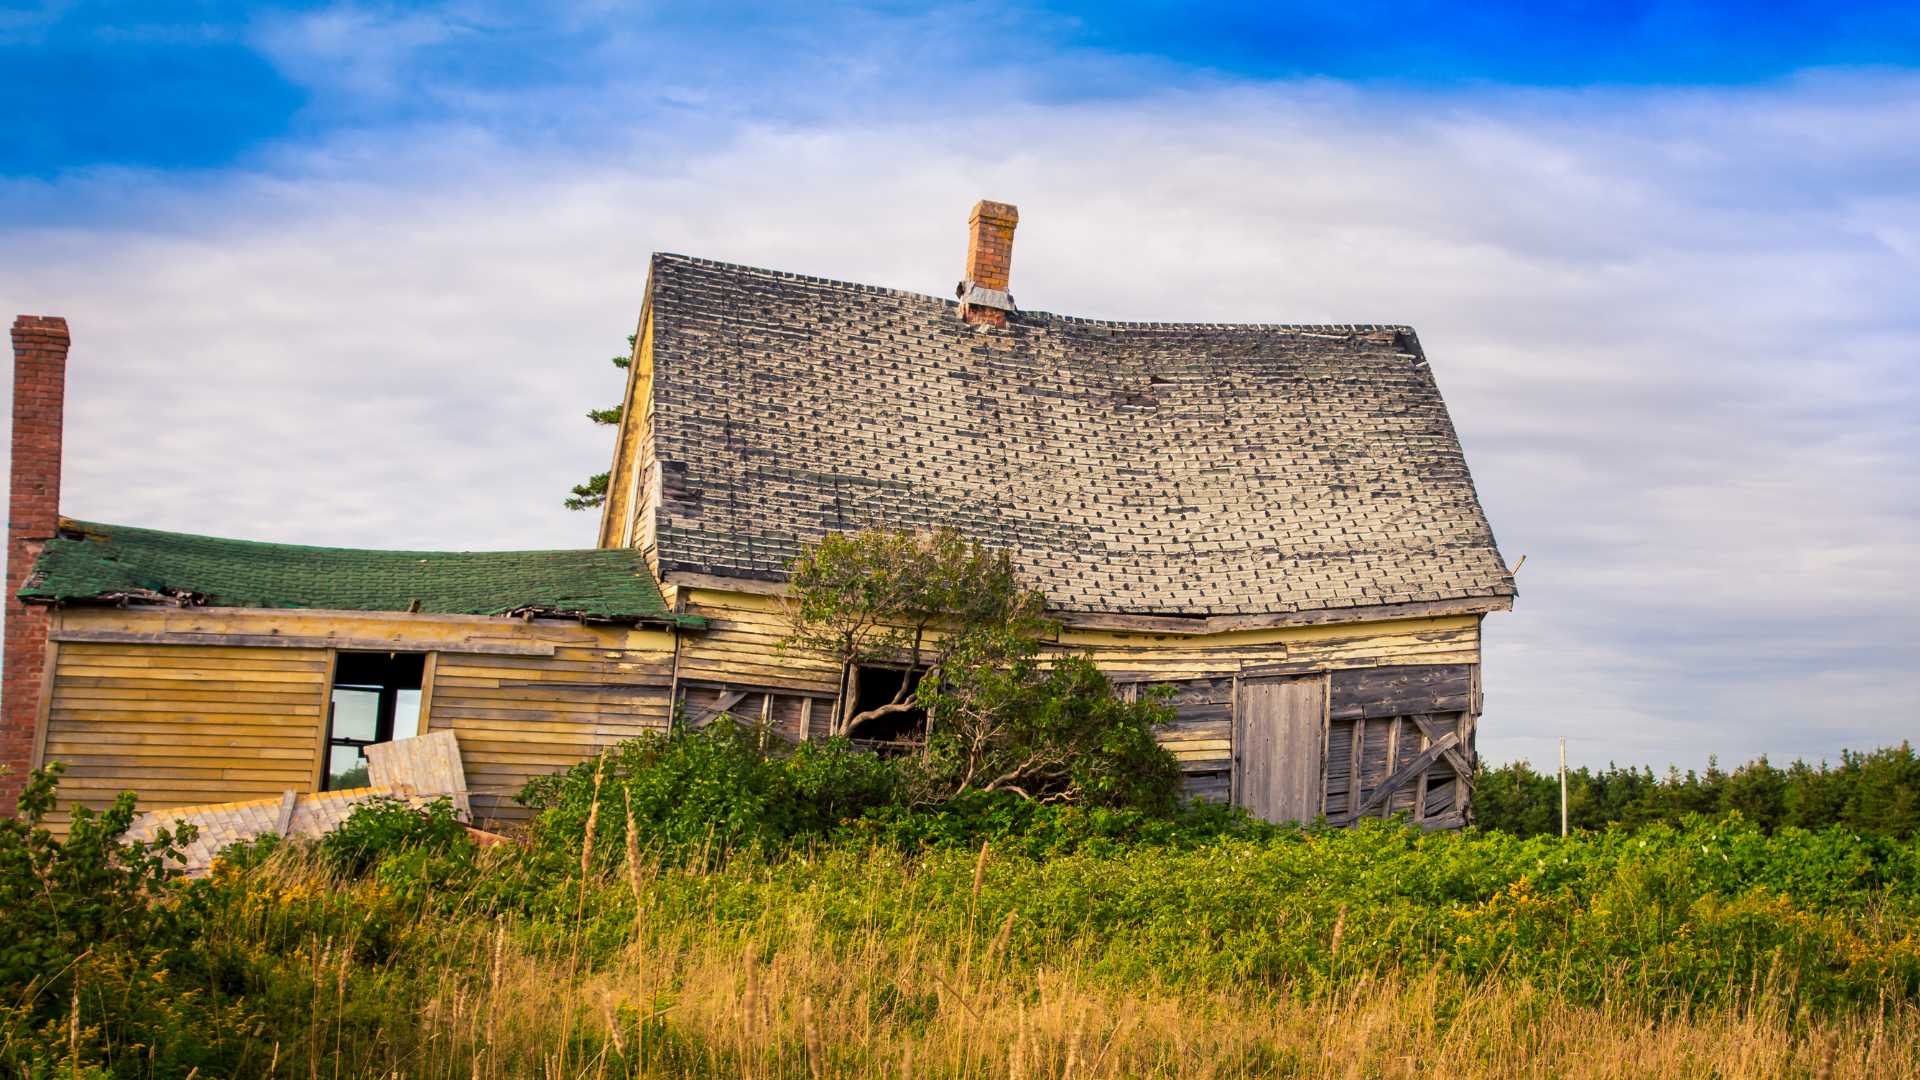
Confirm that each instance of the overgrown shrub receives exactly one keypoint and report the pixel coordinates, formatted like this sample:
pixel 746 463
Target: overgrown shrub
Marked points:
pixel 1051 730
pixel 384 827
pixel 708 793
pixel 94 948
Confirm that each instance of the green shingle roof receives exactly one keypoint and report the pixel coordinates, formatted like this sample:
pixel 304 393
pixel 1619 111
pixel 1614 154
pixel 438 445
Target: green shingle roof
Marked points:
pixel 90 561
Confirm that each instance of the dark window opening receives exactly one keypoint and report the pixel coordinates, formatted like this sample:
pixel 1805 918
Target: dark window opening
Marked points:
pixel 376 699
pixel 875 686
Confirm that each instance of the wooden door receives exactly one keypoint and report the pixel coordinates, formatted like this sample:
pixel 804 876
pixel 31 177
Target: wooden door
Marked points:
pixel 1278 741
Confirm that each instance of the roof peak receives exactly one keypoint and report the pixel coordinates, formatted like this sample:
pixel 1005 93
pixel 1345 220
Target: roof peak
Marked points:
pixel 1032 315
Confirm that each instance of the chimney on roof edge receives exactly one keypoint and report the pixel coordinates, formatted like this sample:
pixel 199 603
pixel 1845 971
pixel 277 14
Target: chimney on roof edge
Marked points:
pixel 983 292
pixel 33 516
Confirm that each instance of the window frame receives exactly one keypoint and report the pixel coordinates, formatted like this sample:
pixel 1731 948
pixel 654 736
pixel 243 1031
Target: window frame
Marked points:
pixel 386 718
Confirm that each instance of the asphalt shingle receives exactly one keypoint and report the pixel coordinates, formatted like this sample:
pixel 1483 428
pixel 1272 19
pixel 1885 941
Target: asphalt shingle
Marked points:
pixel 1128 467
pixel 94 562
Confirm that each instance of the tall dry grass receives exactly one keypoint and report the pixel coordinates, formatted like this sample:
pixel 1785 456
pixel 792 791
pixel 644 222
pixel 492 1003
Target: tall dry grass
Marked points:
pixel 779 996
pixel 813 1008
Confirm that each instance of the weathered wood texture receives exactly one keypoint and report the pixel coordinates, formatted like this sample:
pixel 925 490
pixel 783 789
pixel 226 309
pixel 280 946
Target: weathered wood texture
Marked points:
pixel 1450 639
pixel 1413 765
pixel 1201 736
pixel 790 717
pixel 183 724
pixel 196 723
pixel 633 482
pixel 1397 691
pixel 518 718
pixel 740 647
pixel 1279 725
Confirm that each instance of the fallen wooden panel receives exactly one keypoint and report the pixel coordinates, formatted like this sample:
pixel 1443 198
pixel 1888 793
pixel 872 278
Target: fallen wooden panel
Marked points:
pixel 417 770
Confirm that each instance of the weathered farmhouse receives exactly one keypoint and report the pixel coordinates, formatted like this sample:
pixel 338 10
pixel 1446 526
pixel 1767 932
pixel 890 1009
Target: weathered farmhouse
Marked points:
pixel 1277 520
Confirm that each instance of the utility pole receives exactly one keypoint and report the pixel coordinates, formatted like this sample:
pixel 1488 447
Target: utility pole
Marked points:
pixel 1563 785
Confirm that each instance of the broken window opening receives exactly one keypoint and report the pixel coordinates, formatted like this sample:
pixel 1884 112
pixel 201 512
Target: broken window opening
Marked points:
pixel 876 685
pixel 376 699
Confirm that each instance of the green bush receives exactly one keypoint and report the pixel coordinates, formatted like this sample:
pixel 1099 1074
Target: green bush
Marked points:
pixel 706 794
pixel 1054 730
pixel 1009 822
pixel 97 955
pixel 383 828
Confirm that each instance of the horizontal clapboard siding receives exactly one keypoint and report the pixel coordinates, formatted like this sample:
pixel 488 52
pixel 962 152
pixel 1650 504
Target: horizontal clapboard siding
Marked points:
pixel 520 717
pixel 740 647
pixel 182 724
pixel 1201 736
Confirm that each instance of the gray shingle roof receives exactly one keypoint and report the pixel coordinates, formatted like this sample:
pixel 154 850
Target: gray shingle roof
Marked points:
pixel 1130 467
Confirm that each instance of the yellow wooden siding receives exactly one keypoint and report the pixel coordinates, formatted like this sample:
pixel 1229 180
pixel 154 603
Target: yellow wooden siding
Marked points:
pixel 624 521
pixel 180 719
pixel 520 717
pixel 183 724
pixel 739 646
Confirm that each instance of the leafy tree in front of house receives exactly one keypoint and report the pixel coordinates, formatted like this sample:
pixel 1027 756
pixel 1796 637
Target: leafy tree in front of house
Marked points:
pixel 593 492
pixel 1003 711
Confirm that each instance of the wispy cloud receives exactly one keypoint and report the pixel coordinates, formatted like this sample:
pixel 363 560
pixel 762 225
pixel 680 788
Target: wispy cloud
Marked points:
pixel 1676 326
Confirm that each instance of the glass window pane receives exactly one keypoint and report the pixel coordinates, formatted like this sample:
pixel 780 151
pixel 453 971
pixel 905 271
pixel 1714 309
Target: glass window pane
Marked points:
pixel 356 713
pixel 406 714
pixel 346 768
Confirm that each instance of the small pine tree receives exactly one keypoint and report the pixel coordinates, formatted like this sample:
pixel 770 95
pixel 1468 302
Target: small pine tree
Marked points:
pixel 593 492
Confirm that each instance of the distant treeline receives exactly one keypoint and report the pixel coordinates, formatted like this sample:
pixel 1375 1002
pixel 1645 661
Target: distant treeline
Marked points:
pixel 1874 793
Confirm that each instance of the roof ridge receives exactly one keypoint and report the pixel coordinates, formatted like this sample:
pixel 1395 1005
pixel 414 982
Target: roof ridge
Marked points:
pixel 1344 329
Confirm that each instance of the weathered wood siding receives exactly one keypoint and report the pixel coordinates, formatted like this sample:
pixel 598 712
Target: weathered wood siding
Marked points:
pixel 519 717
pixel 1279 728
pixel 740 647
pixel 189 706
pixel 1376 669
pixel 626 519
pixel 183 724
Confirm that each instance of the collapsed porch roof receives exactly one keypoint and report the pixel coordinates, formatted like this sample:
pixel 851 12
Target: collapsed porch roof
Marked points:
pixel 95 563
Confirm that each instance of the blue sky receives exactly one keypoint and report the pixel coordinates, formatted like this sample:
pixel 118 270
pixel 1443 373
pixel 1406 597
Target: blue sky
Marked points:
pixel 346 273
pixel 203 85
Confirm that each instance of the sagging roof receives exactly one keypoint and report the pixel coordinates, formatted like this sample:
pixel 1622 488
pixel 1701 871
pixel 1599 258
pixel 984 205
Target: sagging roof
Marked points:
pixel 91 562
pixel 1142 468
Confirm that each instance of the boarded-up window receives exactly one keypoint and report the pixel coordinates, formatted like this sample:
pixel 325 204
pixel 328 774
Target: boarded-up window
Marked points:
pixel 789 716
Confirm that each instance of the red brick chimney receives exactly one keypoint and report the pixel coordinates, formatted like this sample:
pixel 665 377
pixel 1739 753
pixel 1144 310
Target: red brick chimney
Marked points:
pixel 983 292
pixel 33 515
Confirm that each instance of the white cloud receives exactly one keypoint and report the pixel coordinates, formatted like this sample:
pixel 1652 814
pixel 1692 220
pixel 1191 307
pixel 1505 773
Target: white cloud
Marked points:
pixel 1676 329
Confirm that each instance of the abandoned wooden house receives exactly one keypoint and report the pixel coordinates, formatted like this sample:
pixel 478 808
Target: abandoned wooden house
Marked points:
pixel 1275 520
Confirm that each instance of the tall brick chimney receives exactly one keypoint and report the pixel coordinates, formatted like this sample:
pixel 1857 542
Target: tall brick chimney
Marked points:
pixel 983 292
pixel 33 515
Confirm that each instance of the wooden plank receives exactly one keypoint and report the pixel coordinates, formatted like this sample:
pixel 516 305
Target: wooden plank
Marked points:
pixel 265 727
pixel 1218 624
pixel 317 776
pixel 284 817
pixel 1277 747
pixel 1454 758
pixel 428 669
pixel 1326 734
pixel 1393 752
pixel 1400 690
pixel 1413 768
pixel 302 676
pixel 49 679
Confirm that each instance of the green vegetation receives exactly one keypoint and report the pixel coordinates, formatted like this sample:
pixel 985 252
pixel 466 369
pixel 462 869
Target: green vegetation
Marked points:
pixel 593 492
pixel 712 903
pixel 1873 794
